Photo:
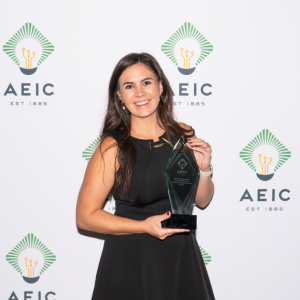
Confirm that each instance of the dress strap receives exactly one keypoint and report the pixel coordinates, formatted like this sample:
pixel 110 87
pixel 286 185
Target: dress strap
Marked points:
pixel 115 134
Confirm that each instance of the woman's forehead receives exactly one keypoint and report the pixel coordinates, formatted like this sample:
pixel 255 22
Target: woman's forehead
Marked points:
pixel 137 72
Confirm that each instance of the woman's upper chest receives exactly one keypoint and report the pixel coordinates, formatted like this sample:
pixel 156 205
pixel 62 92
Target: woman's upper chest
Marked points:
pixel 148 175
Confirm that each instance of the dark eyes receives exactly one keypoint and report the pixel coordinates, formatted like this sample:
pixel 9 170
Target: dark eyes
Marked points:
pixel 130 85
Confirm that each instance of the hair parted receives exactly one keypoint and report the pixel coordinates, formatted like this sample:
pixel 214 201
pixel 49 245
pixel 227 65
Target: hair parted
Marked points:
pixel 118 119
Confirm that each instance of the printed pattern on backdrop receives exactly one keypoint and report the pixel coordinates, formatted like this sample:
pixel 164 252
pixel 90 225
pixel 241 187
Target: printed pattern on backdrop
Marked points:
pixel 187 46
pixel 31 258
pixel 265 154
pixel 265 143
pixel 186 49
pixel 28 48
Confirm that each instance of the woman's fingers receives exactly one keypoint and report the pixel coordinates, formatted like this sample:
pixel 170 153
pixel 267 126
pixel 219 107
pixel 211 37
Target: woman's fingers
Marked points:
pixel 165 232
pixel 165 216
pixel 201 143
pixel 153 226
pixel 202 152
pixel 174 230
pixel 200 149
pixel 169 231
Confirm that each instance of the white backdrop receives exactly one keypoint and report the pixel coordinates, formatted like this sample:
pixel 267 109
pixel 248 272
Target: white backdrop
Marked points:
pixel 254 73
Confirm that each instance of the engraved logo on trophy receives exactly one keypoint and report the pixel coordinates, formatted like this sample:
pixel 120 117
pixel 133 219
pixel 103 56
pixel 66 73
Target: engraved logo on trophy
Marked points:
pixel 182 163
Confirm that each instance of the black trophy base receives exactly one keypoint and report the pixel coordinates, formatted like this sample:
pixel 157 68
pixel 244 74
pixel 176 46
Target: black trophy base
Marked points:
pixel 181 222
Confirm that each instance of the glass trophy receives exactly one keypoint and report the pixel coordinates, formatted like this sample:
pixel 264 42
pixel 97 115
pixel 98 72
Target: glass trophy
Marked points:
pixel 182 176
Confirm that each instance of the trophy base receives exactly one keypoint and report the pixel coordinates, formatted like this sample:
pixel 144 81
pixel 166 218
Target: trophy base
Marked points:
pixel 182 222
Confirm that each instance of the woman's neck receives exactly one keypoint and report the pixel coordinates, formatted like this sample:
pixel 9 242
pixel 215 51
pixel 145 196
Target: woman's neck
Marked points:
pixel 146 128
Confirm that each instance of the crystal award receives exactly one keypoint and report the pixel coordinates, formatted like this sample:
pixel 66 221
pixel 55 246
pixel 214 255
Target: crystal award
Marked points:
pixel 182 177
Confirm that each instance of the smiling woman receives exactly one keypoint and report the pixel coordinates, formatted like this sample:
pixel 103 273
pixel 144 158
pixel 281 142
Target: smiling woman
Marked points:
pixel 140 259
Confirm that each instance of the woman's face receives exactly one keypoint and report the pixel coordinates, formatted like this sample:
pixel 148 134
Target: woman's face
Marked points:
pixel 139 90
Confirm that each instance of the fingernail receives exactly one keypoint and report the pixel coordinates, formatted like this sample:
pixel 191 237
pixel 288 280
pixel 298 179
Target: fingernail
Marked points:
pixel 168 213
pixel 192 146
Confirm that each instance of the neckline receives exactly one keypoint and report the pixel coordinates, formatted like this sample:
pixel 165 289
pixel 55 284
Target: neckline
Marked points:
pixel 151 140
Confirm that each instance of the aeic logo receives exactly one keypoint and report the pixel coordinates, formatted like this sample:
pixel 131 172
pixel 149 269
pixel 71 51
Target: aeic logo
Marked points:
pixel 187 48
pixel 265 154
pixel 31 258
pixel 28 48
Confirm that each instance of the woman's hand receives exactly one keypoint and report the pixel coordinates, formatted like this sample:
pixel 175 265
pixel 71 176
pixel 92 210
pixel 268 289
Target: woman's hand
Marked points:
pixel 202 151
pixel 152 226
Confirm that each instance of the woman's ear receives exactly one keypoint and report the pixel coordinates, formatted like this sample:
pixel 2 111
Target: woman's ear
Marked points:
pixel 160 88
pixel 119 95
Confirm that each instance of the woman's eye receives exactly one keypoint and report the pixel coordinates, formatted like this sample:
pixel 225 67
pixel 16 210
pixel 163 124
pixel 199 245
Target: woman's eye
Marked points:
pixel 147 82
pixel 128 86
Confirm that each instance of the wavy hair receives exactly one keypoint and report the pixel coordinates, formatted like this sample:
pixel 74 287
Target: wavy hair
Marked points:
pixel 118 119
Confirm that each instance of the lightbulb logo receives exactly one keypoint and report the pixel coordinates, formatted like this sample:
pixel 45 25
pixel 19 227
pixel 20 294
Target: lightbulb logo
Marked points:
pixel 265 154
pixel 182 163
pixel 31 258
pixel 28 48
pixel 187 48
pixel 88 152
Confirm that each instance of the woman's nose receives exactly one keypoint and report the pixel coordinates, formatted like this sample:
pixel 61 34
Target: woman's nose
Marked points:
pixel 139 92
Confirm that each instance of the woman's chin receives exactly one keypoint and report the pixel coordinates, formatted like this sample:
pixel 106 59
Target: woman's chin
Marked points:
pixel 143 114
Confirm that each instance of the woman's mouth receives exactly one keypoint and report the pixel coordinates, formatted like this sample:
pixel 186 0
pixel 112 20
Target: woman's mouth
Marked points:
pixel 142 103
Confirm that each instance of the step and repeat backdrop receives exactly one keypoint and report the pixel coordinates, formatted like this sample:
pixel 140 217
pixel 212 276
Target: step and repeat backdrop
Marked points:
pixel 234 67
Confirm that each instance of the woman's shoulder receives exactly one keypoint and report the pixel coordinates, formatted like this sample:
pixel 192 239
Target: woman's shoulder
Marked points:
pixel 105 152
pixel 108 142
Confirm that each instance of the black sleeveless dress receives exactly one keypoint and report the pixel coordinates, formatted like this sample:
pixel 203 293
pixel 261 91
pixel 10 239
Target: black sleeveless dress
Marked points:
pixel 140 266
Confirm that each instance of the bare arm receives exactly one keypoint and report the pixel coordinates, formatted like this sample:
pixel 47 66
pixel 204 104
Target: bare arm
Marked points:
pixel 96 185
pixel 94 190
pixel 205 188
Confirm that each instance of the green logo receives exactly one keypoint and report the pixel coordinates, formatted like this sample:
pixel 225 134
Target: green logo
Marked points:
pixel 187 48
pixel 31 258
pixel 205 255
pixel 88 152
pixel 28 48
pixel 265 154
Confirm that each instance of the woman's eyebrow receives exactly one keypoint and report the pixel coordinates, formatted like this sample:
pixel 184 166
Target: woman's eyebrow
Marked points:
pixel 128 82
pixel 147 79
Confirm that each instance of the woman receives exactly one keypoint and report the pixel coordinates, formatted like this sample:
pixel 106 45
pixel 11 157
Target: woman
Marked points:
pixel 140 259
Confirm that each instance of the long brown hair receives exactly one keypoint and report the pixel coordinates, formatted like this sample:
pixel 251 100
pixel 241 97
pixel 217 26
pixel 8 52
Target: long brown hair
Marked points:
pixel 119 119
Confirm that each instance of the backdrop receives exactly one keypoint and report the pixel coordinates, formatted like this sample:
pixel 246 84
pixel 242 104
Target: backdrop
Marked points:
pixel 234 68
